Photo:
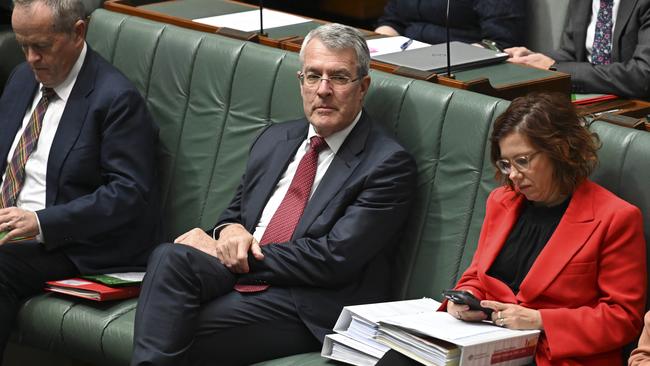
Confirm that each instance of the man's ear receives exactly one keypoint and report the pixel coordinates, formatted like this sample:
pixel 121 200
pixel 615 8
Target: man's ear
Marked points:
pixel 80 31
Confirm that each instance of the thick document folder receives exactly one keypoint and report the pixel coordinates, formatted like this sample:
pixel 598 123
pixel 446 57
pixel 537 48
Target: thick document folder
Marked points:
pixel 415 328
pixel 434 58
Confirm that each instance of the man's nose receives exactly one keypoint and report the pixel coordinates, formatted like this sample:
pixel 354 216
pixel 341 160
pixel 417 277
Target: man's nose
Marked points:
pixel 324 87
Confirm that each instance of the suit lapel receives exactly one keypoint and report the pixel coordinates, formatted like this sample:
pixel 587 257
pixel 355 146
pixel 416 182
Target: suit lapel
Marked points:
pixel 14 120
pixel 622 18
pixel 573 231
pixel 280 157
pixel 72 120
pixel 342 166
pixel 581 17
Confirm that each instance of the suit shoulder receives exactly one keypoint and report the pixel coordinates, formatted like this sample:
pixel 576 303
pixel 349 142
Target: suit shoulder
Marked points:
pixel 503 193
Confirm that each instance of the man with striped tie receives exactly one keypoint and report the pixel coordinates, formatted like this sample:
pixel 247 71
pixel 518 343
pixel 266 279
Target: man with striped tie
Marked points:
pixel 77 146
pixel 311 228
pixel 605 47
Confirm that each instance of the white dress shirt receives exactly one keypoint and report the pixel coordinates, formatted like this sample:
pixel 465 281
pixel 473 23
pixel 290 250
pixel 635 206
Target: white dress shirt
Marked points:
pixel 591 29
pixel 32 195
pixel 325 157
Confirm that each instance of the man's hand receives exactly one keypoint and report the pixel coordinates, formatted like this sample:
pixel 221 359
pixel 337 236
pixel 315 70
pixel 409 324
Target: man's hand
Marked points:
pixel 514 316
pixel 522 55
pixel 514 52
pixel 17 223
pixel 233 245
pixel 386 30
pixel 198 239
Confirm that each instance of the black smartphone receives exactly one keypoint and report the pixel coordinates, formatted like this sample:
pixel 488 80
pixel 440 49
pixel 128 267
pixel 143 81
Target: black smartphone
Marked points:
pixel 463 297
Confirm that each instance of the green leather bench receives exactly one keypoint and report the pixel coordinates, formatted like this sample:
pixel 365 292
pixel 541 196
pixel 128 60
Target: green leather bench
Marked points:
pixel 211 95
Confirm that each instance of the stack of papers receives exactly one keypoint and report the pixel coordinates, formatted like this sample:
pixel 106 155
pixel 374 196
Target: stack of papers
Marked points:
pixel 382 46
pixel 249 21
pixel 358 326
pixel 416 329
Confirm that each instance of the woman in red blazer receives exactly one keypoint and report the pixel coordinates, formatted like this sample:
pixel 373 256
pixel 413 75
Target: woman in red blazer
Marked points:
pixel 557 252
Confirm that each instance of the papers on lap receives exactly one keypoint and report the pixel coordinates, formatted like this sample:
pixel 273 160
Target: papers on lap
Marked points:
pixel 112 287
pixel 416 329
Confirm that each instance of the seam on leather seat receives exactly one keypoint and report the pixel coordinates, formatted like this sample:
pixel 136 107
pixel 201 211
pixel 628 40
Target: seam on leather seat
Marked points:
pixel 117 38
pixel 153 58
pixel 108 322
pixel 472 208
pixel 401 106
pixel 183 119
pixel 65 313
pixel 275 81
pixel 627 143
pixel 429 195
pixel 219 138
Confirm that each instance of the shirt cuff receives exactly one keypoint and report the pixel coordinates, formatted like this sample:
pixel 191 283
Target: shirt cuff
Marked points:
pixel 40 237
pixel 217 230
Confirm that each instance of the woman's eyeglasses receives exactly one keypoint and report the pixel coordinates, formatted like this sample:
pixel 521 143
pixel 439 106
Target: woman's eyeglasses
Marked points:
pixel 521 163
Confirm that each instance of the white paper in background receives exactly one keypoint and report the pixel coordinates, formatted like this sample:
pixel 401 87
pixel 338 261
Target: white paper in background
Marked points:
pixel 381 46
pixel 128 276
pixel 248 21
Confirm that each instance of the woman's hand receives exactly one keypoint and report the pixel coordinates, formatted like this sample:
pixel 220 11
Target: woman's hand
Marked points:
pixel 462 312
pixel 513 316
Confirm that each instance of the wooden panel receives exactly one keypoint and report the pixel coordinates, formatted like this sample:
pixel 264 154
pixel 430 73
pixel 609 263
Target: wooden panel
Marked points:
pixel 359 9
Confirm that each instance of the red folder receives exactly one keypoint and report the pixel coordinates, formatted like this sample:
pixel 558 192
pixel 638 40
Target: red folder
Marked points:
pixel 91 290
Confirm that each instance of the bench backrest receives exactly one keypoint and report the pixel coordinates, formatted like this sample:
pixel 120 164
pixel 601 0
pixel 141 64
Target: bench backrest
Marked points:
pixel 212 95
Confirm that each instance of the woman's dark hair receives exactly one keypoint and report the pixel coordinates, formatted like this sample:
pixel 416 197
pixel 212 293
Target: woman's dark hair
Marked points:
pixel 552 126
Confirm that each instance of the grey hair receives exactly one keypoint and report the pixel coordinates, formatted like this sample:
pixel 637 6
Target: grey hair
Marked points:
pixel 337 37
pixel 65 13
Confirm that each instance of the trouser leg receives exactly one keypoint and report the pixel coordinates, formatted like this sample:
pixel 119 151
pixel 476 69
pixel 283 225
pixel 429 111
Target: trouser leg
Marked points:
pixel 188 315
pixel 179 280
pixel 24 268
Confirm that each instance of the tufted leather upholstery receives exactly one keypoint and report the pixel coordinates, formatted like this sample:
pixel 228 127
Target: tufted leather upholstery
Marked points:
pixel 211 95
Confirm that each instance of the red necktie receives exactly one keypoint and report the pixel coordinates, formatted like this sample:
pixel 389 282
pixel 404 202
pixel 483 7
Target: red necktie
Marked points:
pixel 15 172
pixel 286 217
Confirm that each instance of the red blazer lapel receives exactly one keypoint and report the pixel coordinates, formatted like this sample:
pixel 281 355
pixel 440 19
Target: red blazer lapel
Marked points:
pixel 573 231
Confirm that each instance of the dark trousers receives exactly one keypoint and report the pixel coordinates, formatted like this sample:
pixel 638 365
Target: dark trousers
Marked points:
pixel 188 314
pixel 24 267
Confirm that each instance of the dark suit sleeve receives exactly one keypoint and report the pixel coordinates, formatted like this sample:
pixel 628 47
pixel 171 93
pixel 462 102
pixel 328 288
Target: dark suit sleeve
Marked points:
pixel 366 224
pixel 127 168
pixel 502 21
pixel 628 78
pixel 392 18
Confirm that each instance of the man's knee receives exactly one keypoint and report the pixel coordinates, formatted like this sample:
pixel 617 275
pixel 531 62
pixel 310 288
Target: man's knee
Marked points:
pixel 186 259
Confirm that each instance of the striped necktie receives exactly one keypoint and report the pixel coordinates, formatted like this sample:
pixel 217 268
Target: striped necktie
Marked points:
pixel 15 172
pixel 286 217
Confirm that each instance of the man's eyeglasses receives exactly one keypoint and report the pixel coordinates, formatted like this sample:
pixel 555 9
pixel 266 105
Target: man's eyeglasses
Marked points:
pixel 336 81
pixel 521 163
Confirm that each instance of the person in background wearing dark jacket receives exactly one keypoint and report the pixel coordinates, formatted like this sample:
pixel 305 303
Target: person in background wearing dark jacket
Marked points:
pixel 5 12
pixel 471 21
pixel 605 47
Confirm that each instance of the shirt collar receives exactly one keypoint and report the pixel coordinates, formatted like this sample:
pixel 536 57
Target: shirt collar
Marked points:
pixel 64 89
pixel 335 140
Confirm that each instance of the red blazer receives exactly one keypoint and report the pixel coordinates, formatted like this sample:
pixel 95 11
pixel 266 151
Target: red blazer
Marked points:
pixel 589 281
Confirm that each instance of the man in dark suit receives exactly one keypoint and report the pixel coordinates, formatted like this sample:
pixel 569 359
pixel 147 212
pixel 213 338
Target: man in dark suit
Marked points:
pixel 77 166
pixel 626 70
pixel 292 270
